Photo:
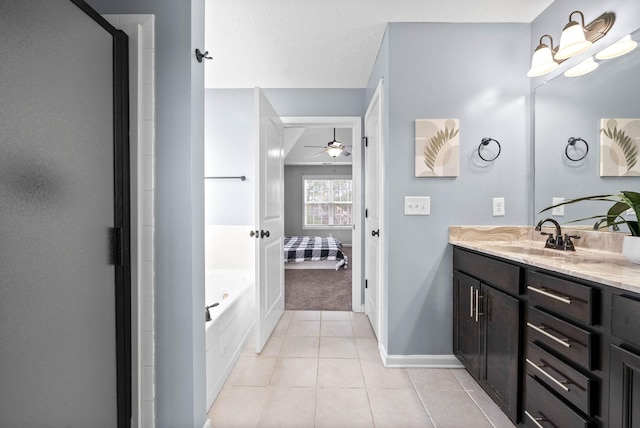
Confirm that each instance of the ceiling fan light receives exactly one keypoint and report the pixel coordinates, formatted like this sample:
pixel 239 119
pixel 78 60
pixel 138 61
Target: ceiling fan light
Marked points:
pixel 334 152
pixel 619 48
pixel 572 41
pixel 542 61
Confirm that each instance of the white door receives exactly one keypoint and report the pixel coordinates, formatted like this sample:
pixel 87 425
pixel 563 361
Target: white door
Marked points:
pixel 373 134
pixel 269 219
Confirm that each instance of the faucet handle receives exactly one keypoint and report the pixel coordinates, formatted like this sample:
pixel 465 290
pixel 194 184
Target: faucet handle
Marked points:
pixel 551 241
pixel 568 243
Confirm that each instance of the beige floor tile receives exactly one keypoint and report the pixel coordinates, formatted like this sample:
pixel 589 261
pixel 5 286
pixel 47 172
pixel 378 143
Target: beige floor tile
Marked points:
pixel 336 329
pixel 281 328
pixel 288 407
pixel 295 372
pixel 306 315
pixel 465 379
pixel 398 408
pixel 304 328
pixel 359 316
pixel 237 407
pixel 287 315
pixel 435 379
pixel 338 347
pixel 491 409
pixel 252 371
pixel 343 407
pixel 336 316
pixel 304 346
pixel 271 349
pixel 362 329
pixel 339 373
pixel 368 348
pixel 453 409
pixel 378 376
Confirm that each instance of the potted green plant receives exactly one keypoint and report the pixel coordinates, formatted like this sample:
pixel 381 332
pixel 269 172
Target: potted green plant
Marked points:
pixel 622 202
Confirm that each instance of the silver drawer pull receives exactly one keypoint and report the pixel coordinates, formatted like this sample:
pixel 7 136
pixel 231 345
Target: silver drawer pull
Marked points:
pixel 563 299
pixel 471 301
pixel 535 420
pixel 551 378
pixel 541 330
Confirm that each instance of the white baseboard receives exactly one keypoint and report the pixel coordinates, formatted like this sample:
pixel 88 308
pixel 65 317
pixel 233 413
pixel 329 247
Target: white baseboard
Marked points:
pixel 420 361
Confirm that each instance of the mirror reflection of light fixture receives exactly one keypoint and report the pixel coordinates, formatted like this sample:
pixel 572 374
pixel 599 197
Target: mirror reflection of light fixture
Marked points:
pixel 573 40
pixel 619 48
pixel 542 61
pixel 585 67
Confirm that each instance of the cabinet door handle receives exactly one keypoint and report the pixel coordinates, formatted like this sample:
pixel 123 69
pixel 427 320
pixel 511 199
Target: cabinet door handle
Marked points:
pixel 561 384
pixel 535 420
pixel 541 330
pixel 478 297
pixel 471 301
pixel 559 297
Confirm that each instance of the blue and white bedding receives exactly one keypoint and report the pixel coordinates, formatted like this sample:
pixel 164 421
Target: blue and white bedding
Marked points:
pixel 298 249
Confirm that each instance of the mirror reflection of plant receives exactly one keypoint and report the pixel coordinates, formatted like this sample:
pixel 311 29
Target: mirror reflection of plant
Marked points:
pixel 436 143
pixel 622 202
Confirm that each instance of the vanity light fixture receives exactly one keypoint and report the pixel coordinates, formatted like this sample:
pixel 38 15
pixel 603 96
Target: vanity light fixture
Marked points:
pixel 542 61
pixel 573 40
pixel 585 67
pixel 619 48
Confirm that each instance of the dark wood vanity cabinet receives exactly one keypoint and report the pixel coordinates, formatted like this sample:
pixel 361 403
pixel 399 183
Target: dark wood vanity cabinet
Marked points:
pixel 486 326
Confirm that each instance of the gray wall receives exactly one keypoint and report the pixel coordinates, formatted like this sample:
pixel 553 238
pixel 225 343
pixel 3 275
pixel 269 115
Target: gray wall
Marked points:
pixel 179 207
pixel 479 77
pixel 293 196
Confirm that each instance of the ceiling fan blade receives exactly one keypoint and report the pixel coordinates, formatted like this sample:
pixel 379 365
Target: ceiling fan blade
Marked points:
pixel 318 154
pixel 317 146
pixel 345 153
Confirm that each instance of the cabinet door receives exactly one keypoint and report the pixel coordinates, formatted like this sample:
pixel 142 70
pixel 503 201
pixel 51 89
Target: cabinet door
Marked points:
pixel 624 384
pixel 466 325
pixel 501 346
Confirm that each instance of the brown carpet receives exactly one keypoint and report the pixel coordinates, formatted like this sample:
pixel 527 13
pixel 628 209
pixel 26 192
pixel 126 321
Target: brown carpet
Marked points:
pixel 318 289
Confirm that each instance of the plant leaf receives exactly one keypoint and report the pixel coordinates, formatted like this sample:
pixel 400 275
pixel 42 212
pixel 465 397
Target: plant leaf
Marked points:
pixel 626 144
pixel 435 144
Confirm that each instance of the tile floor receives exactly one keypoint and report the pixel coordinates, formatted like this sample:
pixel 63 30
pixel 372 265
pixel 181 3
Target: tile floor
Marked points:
pixel 323 369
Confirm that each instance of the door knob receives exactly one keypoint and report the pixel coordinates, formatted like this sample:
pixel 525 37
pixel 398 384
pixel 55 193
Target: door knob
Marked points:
pixel 375 232
pixel 263 233
pixel 254 234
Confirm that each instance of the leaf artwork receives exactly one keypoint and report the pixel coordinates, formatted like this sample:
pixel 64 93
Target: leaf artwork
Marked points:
pixel 435 144
pixel 627 145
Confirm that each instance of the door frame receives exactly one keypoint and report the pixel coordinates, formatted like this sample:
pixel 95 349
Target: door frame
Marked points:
pixel 355 123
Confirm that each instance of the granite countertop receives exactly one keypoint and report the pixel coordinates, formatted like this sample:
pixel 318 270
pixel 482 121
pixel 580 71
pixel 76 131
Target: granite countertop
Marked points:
pixel 598 256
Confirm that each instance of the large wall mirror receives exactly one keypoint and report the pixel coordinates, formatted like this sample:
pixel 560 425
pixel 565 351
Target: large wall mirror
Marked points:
pixel 574 107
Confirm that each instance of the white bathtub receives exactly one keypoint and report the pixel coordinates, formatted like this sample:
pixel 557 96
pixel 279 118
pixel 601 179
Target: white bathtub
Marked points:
pixel 230 326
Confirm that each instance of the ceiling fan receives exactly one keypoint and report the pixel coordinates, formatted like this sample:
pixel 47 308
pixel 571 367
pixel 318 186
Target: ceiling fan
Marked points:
pixel 334 148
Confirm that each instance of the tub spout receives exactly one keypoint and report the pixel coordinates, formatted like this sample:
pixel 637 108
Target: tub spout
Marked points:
pixel 207 315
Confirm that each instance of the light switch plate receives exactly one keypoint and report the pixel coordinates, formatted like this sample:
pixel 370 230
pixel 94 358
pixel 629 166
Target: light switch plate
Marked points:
pixel 417 205
pixel 498 207
pixel 557 211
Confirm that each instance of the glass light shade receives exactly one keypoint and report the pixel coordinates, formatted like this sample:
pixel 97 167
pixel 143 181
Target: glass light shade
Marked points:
pixel 619 48
pixel 334 152
pixel 542 62
pixel 586 66
pixel 572 41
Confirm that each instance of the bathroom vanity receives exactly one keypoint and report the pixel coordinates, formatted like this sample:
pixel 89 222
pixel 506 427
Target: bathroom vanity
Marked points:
pixel 553 337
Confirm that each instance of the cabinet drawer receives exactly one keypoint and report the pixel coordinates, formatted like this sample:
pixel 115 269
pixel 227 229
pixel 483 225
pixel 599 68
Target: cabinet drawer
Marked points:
pixel 625 319
pixel 566 297
pixel 564 338
pixel 569 383
pixel 543 409
pixel 498 274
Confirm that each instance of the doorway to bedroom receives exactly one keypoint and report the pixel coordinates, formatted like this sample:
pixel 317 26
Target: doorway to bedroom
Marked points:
pixel 322 214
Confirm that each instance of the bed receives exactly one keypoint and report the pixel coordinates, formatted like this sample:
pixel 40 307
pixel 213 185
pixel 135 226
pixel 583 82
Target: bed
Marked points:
pixel 313 252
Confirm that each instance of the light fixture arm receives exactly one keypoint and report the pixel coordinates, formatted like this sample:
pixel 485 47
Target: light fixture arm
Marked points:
pixel 581 17
pixel 550 41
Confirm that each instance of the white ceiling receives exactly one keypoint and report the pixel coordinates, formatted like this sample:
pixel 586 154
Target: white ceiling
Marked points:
pixel 324 43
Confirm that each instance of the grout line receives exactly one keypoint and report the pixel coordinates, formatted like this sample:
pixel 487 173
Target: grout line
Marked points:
pixel 424 405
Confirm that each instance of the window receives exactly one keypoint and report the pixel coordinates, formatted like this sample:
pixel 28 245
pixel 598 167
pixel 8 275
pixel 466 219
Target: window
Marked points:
pixel 328 202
